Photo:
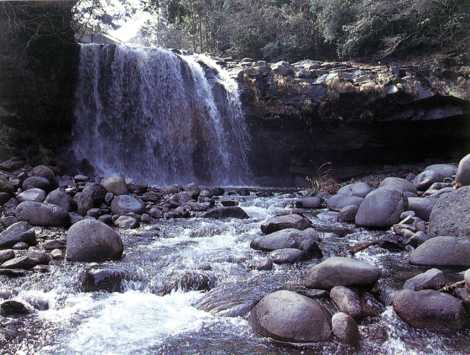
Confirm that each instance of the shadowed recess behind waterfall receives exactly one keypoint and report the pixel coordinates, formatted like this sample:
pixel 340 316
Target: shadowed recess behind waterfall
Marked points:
pixel 159 117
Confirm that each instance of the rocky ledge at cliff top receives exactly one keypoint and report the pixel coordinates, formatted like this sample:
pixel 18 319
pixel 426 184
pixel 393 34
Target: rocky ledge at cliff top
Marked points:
pixel 349 91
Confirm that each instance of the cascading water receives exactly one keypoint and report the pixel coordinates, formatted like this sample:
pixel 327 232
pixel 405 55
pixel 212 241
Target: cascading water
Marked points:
pixel 159 117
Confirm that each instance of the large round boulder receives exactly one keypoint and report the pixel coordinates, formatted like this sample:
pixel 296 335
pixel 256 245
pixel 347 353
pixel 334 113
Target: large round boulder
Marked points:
pixel 339 201
pixel 434 173
pixel 125 204
pixel 288 316
pixel 293 221
pixel 37 182
pixel 90 240
pixel 43 171
pixel 60 198
pixel 115 184
pixel 42 214
pixel 422 206
pixel 381 209
pixel 305 240
pixel 451 214
pixel 359 189
pixel 442 251
pixel 92 196
pixel 339 271
pixel 429 309
pixel 463 172
pixel 400 185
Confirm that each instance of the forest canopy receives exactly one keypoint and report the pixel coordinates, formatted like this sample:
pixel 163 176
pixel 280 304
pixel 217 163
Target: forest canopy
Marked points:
pixel 296 29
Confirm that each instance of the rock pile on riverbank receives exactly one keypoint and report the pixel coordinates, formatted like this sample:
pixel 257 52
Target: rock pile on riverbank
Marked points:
pixel 51 218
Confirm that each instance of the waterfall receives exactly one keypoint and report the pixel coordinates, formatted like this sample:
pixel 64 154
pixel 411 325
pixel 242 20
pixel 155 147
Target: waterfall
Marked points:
pixel 158 117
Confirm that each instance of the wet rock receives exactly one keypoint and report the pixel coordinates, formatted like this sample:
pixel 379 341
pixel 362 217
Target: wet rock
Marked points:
pixel 467 279
pixel 400 185
pixel 306 241
pixel 20 246
pixel 381 209
pixel 75 217
pixel 42 214
pixel 6 186
pixel 262 265
pixel 57 254
pixel 107 279
pixel 226 212
pixel 442 251
pixel 115 184
pixel 90 240
pixel 41 257
pixel 339 201
pixel 91 196
pixel 156 212
pixel 12 164
pixel 126 222
pixel 60 198
pixel 422 206
pixel 309 203
pixel 463 172
pixel 286 256
pixel 4 197
pixel 179 212
pixel 191 280
pixel 429 309
pixel 106 219
pixel 94 212
pixel 348 214
pixel 37 182
pixel 229 203
pixel 347 301
pixel 433 279
pixel 18 232
pixel 288 316
pixel 180 199
pixel 345 328
pixel 43 171
pixel 198 206
pixel 36 195
pixel 289 221
pixel 12 273
pixel 417 239
pixel 433 174
pixel 338 271
pixel 450 215
pixel 358 189
pixel 13 308
pixel 37 302
pixel 54 244
pixel 22 262
pixel 125 204
pixel 6 255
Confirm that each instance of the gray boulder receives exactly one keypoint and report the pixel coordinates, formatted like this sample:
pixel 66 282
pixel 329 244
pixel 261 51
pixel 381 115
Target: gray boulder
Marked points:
pixel 60 198
pixel 339 201
pixel 286 256
pixel 451 214
pixel 433 279
pixel 288 221
pixel 22 262
pixel 226 212
pixel 18 232
pixel 6 186
pixel 115 184
pixel 358 189
pixel 347 301
pixel 429 309
pixel 345 328
pixel 309 203
pixel 381 209
pixel 36 195
pixel 463 172
pixel 422 206
pixel 339 271
pixel 126 222
pixel 90 240
pixel 43 171
pixel 442 251
pixel 91 196
pixel 6 255
pixel 400 185
pixel 125 204
pixel 306 240
pixel 434 173
pixel 37 182
pixel 288 316
pixel 348 214
pixel 103 279
pixel 13 308
pixel 42 214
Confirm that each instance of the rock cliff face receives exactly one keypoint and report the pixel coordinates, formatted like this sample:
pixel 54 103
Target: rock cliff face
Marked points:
pixel 37 68
pixel 354 115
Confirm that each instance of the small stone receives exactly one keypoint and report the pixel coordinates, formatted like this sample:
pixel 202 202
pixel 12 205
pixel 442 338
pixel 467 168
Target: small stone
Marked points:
pixel 126 222
pixel 345 328
pixel 262 265
pixel 286 256
pixel 13 309
pixel 20 246
pixel 57 254
pixel 6 255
